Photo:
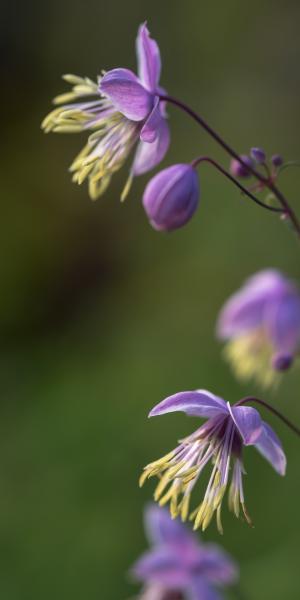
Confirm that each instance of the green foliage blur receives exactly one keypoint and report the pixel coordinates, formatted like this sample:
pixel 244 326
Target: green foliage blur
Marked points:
pixel 101 317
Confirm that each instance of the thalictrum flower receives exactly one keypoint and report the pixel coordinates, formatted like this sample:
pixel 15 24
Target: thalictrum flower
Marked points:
pixel 220 440
pixel 261 323
pixel 178 566
pixel 171 197
pixel 122 110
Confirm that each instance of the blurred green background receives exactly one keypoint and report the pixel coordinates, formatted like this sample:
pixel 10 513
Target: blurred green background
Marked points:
pixel 101 317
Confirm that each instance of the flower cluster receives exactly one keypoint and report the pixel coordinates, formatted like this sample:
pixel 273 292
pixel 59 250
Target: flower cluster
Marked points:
pixel 260 323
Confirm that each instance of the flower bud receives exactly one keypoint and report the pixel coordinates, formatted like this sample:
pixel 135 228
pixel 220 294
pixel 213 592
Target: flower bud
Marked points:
pixel 277 160
pixel 238 170
pixel 171 197
pixel 282 362
pixel 258 155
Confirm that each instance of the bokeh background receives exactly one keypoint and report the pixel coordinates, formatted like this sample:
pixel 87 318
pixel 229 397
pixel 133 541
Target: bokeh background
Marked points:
pixel 101 317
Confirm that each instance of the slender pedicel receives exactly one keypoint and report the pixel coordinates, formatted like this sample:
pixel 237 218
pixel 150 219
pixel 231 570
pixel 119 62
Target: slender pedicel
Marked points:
pixel 273 410
pixel 207 159
pixel 268 183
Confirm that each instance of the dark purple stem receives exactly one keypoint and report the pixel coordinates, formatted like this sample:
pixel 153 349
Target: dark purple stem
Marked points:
pixel 288 211
pixel 271 409
pixel 201 159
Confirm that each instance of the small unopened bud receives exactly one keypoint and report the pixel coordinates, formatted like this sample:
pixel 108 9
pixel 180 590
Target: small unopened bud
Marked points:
pixel 171 197
pixel 258 155
pixel 282 362
pixel 237 169
pixel 277 160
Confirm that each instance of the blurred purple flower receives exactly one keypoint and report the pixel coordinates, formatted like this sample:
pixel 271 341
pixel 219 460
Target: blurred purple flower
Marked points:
pixel 220 440
pixel 277 160
pixel 237 169
pixel 171 197
pixel 178 566
pixel 121 110
pixel 261 323
pixel 258 154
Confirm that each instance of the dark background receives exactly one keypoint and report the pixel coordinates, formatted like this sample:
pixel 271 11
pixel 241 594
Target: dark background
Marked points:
pixel 101 317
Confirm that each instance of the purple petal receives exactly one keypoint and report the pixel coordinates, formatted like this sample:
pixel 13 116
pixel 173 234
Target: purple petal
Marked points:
pixel 283 321
pixel 150 129
pixel 199 403
pixel 246 308
pixel 148 55
pixel 200 589
pixel 269 445
pixel 149 155
pixel 248 423
pixel 127 94
pixel 161 529
pixel 216 565
pixel 162 565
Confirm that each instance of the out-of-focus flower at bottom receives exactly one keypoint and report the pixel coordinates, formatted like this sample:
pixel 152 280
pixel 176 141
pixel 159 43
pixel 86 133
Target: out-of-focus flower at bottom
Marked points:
pixel 178 566
pixel 261 326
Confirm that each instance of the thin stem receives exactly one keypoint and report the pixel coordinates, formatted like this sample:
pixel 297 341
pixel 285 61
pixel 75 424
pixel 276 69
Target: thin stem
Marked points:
pixel 266 181
pixel 271 409
pixel 201 159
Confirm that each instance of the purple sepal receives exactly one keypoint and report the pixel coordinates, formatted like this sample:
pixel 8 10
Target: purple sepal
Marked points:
pixel 149 63
pixel 200 403
pixel 259 155
pixel 171 197
pixel 161 529
pixel 127 94
pixel 161 565
pixel 150 130
pixel 269 445
pixel 246 308
pixel 149 155
pixel 248 423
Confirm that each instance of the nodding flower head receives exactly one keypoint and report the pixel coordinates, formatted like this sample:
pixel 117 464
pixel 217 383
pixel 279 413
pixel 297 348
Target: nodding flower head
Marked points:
pixel 120 111
pixel 178 566
pixel 220 441
pixel 238 169
pixel 171 197
pixel 261 324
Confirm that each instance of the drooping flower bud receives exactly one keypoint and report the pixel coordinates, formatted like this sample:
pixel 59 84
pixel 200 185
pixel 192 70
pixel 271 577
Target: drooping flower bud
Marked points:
pixel 282 362
pixel 258 155
pixel 171 197
pixel 277 160
pixel 237 169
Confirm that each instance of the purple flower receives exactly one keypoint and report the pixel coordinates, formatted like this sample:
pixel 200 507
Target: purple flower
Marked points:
pixel 220 440
pixel 171 197
pixel 178 566
pixel 277 160
pixel 237 169
pixel 259 155
pixel 261 323
pixel 122 110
